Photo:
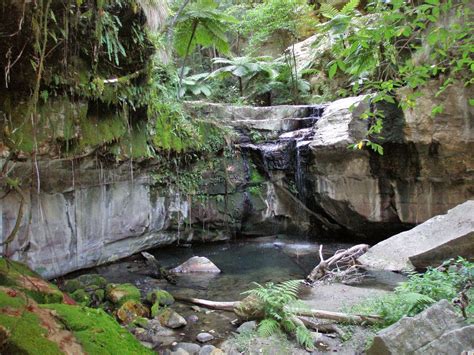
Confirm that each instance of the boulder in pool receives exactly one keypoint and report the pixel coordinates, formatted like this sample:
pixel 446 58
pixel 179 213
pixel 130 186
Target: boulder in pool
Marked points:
pixel 197 264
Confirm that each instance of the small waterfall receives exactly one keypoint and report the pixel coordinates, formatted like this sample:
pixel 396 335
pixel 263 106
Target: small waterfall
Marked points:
pixel 289 155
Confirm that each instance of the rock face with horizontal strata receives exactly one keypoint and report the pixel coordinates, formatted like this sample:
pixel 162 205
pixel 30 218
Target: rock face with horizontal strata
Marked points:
pixel 437 330
pixel 428 244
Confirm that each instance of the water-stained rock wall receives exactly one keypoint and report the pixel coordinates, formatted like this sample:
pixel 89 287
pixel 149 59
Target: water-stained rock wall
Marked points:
pixel 89 212
pixel 290 171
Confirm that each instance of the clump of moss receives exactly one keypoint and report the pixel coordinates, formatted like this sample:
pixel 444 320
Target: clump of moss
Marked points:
pixel 155 310
pixel 81 296
pixel 161 297
pixel 93 281
pixel 98 332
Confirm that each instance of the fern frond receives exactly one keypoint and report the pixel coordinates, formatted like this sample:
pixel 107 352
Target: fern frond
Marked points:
pixel 328 11
pixel 350 7
pixel 304 338
pixel 288 325
pixel 416 300
pixel 267 327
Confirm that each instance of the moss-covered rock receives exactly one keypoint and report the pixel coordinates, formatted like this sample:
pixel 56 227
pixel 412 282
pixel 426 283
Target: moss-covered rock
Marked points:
pixel 161 297
pixel 88 281
pixel 118 294
pixel 97 332
pixel 81 296
pixel 170 318
pixel 29 327
pixel 30 330
pixel 18 276
pixel 99 295
pixel 131 310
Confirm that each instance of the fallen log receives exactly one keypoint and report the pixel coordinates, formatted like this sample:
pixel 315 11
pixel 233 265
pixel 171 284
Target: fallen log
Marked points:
pixel 338 316
pixel 223 306
pixel 249 308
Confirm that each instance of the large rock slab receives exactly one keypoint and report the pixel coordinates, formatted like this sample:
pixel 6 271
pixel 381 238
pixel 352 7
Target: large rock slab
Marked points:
pixel 428 244
pixel 437 330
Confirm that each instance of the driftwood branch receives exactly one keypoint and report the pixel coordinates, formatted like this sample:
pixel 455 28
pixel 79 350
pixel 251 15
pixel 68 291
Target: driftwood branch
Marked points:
pixel 346 258
pixel 223 306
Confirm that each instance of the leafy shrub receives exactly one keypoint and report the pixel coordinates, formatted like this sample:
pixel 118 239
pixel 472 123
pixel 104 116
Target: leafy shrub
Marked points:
pixel 422 290
pixel 261 21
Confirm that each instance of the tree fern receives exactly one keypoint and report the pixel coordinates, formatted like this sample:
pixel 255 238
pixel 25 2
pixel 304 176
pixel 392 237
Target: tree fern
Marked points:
pixel 329 10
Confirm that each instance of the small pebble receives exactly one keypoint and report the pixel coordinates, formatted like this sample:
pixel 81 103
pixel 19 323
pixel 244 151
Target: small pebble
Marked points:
pixel 204 337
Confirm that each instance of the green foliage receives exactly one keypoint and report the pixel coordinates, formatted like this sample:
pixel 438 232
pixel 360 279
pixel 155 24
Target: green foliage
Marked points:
pixel 277 299
pixel 262 20
pixel 422 290
pixel 401 44
pixel 195 84
pixel 329 11
pixel 262 80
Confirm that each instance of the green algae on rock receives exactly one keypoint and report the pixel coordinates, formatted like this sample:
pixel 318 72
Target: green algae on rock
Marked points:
pixel 131 310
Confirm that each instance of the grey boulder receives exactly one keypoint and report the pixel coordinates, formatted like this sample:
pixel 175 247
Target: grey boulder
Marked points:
pixel 197 264
pixel 428 244
pixel 437 330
